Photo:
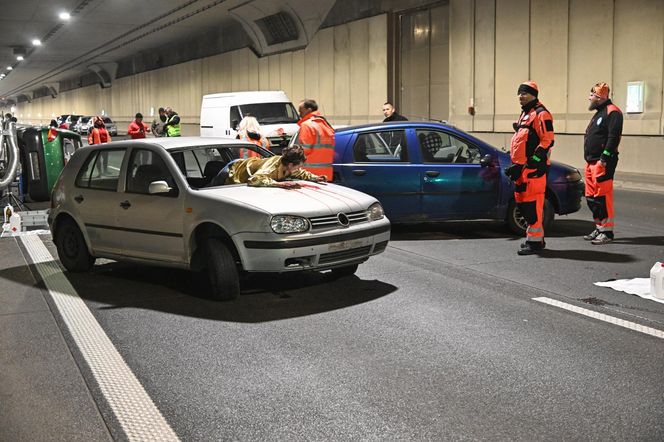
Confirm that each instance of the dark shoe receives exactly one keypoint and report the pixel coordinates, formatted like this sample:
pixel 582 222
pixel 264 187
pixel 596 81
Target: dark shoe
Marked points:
pixel 531 248
pixel 526 244
pixel 592 235
pixel 602 238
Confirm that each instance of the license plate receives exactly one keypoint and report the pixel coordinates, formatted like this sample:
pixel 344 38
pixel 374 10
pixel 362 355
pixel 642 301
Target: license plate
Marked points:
pixel 345 245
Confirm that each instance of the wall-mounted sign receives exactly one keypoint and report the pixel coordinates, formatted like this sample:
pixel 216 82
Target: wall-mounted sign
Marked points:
pixel 635 94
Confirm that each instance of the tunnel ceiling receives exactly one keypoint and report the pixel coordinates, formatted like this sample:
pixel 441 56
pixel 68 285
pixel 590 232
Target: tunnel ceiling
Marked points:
pixel 101 33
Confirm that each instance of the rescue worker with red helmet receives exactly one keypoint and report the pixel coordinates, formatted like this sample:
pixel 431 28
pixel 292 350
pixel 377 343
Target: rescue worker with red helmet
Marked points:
pixel 600 149
pixel 530 155
pixel 316 136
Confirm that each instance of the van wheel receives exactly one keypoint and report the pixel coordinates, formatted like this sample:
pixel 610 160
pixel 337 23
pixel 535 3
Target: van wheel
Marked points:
pixel 517 223
pixel 72 250
pixel 340 272
pixel 222 271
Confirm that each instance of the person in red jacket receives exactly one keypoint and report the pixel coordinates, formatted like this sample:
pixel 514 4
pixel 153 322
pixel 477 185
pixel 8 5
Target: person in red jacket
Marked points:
pixel 98 134
pixel 137 128
pixel 530 152
pixel 600 149
pixel 316 136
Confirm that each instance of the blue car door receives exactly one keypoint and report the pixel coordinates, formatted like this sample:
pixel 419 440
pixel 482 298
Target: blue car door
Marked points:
pixel 379 165
pixel 454 184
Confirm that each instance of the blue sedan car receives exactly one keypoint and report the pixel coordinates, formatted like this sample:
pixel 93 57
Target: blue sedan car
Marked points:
pixel 427 171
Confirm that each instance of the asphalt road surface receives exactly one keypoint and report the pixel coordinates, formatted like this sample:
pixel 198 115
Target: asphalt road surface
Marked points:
pixel 438 338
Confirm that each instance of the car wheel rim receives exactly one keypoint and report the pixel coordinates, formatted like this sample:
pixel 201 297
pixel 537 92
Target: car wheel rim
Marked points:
pixel 70 244
pixel 520 220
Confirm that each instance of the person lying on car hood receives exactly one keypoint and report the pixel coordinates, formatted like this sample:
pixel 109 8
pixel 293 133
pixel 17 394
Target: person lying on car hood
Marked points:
pixel 268 172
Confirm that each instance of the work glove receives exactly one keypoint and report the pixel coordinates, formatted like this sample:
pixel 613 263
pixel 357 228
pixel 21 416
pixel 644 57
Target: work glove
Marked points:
pixel 606 157
pixel 538 162
pixel 513 172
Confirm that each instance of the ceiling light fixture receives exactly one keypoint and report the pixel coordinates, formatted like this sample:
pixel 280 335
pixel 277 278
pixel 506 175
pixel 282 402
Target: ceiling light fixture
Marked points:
pixel 9 68
pixel 64 16
pixel 19 57
pixel 36 42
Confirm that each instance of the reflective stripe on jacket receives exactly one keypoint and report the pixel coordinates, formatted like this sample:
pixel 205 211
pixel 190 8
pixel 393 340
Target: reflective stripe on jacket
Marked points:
pixel 316 136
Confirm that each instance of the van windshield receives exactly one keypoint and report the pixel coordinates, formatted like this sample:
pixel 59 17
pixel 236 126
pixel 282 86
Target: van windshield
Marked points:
pixel 271 113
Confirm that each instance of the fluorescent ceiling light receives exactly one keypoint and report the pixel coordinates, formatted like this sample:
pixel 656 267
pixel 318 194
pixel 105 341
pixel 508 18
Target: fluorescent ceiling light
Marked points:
pixel 9 68
pixel 19 57
pixel 36 42
pixel 64 16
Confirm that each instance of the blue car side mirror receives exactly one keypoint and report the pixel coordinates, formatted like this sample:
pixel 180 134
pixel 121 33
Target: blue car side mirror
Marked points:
pixel 486 160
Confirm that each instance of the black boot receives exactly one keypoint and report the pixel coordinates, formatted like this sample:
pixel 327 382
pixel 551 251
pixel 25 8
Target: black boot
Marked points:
pixel 531 247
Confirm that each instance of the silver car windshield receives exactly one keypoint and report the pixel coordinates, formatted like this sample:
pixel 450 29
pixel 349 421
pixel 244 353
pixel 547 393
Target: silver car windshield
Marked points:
pixel 202 163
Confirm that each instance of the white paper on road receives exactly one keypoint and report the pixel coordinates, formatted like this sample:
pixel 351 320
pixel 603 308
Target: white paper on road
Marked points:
pixel 637 286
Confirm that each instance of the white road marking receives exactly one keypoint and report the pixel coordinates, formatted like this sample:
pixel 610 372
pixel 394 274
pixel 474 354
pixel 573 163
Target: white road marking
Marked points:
pixel 602 317
pixel 137 414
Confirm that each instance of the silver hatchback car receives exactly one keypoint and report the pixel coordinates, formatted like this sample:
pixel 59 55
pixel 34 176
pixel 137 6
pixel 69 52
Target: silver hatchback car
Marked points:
pixel 150 201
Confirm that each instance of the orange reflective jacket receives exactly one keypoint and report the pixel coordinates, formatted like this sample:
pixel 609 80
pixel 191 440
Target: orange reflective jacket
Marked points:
pixel 98 136
pixel 316 136
pixel 248 153
pixel 534 129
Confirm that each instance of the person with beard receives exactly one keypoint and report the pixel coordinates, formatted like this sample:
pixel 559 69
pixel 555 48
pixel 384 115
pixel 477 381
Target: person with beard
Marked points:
pixel 600 149
pixel 530 152
pixel 391 113
pixel 249 130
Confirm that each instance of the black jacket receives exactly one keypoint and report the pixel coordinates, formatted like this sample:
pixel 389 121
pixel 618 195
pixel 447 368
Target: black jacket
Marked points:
pixel 603 133
pixel 395 117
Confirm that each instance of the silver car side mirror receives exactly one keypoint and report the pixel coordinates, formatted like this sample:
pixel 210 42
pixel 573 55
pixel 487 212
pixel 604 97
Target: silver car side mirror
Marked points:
pixel 158 187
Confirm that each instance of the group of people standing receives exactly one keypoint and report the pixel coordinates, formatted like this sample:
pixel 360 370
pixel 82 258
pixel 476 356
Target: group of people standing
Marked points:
pixel 530 152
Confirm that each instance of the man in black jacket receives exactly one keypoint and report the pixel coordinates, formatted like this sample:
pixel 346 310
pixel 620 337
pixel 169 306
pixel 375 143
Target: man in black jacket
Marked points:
pixel 600 149
pixel 391 114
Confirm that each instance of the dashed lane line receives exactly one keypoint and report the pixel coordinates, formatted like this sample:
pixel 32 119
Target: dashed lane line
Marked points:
pixel 134 409
pixel 602 317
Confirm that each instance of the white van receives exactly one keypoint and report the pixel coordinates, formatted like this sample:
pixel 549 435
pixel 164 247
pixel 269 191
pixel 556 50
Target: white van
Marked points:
pixel 221 114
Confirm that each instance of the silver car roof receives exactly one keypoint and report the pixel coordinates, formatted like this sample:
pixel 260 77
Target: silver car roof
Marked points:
pixel 173 143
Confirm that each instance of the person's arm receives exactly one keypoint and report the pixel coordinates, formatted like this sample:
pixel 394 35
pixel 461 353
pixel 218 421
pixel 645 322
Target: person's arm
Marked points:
pixel 175 120
pixel 132 129
pixel 615 127
pixel 544 128
pixel 304 174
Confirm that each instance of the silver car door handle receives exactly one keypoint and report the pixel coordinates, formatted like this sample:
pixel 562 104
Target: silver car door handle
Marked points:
pixel 432 173
pixel 359 172
pixel 79 198
pixel 125 204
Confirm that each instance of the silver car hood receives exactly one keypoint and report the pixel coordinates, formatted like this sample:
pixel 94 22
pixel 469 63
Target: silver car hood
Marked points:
pixel 312 199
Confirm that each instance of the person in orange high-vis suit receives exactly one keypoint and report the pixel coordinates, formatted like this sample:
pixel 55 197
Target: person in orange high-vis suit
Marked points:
pixel 316 136
pixel 530 155
pixel 98 134
pixel 250 130
pixel 600 149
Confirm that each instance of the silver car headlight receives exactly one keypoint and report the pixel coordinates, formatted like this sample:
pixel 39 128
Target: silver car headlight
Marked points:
pixel 289 224
pixel 375 212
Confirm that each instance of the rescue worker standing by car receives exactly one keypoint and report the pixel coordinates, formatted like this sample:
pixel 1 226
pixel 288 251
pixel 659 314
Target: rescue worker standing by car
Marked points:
pixel 268 172
pixel 137 128
pixel 172 124
pixel 316 136
pixel 530 155
pixel 600 149
pixel 98 134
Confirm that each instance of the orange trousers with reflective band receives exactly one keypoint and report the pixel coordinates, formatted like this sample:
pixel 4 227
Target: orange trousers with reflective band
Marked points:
pixel 599 196
pixel 529 194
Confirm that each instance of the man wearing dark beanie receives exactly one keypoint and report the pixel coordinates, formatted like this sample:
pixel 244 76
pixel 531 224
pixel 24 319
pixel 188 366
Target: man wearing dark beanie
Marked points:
pixel 530 152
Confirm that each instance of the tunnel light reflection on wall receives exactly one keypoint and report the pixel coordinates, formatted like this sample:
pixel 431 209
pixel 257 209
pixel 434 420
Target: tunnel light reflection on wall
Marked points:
pixel 635 94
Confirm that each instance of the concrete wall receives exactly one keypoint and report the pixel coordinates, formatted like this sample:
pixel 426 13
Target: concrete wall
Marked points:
pixel 344 69
pixel 566 46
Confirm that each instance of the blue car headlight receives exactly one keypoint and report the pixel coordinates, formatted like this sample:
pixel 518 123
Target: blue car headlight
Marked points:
pixel 375 212
pixel 573 176
pixel 289 224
